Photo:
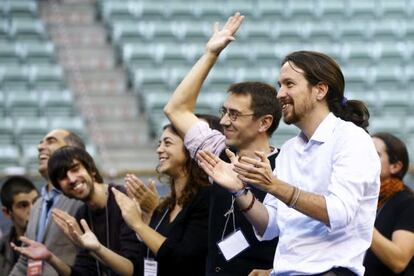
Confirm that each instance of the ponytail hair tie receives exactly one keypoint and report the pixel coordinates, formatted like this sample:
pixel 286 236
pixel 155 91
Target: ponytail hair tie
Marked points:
pixel 344 101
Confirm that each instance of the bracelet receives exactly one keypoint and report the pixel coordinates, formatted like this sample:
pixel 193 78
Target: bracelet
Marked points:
pixel 250 205
pixel 242 191
pixel 295 197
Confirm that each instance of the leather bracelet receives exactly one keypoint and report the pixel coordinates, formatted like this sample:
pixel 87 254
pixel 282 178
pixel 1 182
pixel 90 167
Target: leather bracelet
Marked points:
pixel 250 205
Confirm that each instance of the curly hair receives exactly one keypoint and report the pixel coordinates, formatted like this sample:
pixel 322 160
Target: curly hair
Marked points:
pixel 197 179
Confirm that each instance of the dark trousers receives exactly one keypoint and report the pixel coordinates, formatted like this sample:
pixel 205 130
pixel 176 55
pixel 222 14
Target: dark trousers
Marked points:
pixel 337 271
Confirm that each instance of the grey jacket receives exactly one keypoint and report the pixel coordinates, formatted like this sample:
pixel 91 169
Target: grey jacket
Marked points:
pixel 55 240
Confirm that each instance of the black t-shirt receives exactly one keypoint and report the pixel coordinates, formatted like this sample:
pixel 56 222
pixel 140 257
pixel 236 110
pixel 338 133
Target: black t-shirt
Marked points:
pixel 112 231
pixel 396 214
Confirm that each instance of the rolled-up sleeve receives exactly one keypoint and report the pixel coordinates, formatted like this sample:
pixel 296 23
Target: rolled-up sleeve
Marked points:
pixel 272 229
pixel 201 137
pixel 355 169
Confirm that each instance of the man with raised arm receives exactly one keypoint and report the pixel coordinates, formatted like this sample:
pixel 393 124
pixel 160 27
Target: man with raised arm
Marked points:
pixel 249 116
pixel 323 194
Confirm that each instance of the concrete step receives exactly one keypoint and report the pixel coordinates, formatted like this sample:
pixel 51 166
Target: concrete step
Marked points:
pixel 106 107
pixel 68 13
pixel 78 35
pixel 98 57
pixel 123 160
pixel 107 81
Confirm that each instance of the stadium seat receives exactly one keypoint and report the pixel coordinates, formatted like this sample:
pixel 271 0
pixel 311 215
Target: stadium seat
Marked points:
pixel 27 30
pixel 9 156
pixel 22 9
pixel 57 103
pixel 14 78
pixel 73 124
pixel 22 104
pixel 37 53
pixel 46 77
pixel 9 54
pixel 6 131
pixel 30 130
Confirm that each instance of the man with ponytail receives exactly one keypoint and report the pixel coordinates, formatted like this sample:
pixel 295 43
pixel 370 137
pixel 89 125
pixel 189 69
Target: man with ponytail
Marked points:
pixel 322 196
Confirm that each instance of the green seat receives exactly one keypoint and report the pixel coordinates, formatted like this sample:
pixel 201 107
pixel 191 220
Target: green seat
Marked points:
pixel 9 54
pixel 116 10
pixel 46 77
pixel 138 55
pixel 57 103
pixel 150 80
pixel 303 9
pixel 28 30
pixel 9 156
pixel 22 9
pixel 6 131
pixel 22 104
pixel 30 130
pixel 73 124
pixel 358 54
pixel 37 53
pixel 14 78
pixel 30 158
pixel 271 10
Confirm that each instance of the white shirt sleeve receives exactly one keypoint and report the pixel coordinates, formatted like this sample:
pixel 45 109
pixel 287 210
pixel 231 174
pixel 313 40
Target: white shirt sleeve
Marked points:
pixel 352 178
pixel 272 230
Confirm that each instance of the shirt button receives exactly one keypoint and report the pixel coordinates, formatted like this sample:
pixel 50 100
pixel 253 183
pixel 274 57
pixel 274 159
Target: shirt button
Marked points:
pixel 218 269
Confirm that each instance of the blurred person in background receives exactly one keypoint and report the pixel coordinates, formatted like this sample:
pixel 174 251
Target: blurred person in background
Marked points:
pixel 392 247
pixel 41 227
pixel 18 195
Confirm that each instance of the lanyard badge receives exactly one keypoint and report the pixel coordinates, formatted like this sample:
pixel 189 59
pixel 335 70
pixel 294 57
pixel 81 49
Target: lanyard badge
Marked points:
pixel 235 243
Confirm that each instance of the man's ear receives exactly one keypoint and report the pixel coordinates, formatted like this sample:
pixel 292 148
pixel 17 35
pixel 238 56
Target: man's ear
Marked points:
pixel 6 212
pixel 396 167
pixel 322 90
pixel 265 123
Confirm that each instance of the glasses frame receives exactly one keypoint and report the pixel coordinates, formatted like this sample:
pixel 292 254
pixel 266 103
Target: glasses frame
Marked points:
pixel 233 114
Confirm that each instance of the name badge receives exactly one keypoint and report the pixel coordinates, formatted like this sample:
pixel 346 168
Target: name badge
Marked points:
pixel 34 268
pixel 150 267
pixel 233 245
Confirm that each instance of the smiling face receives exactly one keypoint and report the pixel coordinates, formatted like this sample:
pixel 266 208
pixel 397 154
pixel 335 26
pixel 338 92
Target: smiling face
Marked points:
pixel 241 132
pixel 78 183
pixel 171 154
pixel 51 142
pixel 296 96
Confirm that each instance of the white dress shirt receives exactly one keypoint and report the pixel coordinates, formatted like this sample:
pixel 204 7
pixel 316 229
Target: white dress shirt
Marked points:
pixel 339 162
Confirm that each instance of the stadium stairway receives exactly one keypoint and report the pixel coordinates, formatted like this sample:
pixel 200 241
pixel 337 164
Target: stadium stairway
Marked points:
pixel 99 84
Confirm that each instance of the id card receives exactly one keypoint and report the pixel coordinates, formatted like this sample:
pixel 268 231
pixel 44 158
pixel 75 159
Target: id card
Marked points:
pixel 150 267
pixel 34 268
pixel 233 245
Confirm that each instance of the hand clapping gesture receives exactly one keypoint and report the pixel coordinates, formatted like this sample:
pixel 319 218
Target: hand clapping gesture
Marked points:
pixel 130 209
pixel 146 195
pixel 82 238
pixel 221 172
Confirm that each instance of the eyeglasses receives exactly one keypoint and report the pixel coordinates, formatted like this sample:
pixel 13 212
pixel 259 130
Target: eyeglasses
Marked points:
pixel 233 114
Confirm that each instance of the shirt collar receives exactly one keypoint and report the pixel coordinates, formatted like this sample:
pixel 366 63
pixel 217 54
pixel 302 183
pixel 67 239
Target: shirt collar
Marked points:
pixel 325 129
pixel 49 195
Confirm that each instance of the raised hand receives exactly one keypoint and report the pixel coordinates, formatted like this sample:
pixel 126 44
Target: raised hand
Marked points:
pixel 147 196
pixel 221 172
pixel 130 209
pixel 71 228
pixel 255 172
pixel 221 38
pixel 86 239
pixel 66 222
pixel 34 250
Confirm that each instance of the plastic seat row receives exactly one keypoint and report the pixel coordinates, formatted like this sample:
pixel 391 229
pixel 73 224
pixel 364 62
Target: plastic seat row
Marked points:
pixel 31 53
pixel 22 30
pixel 40 77
pixel 48 103
pixel 30 130
pixel 304 9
